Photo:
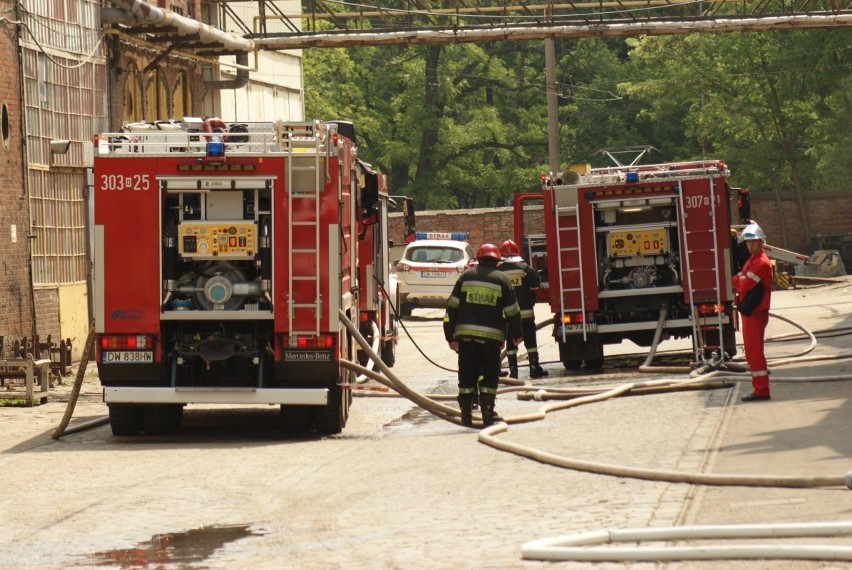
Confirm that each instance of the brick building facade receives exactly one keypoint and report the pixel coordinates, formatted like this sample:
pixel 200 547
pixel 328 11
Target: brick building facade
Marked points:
pixel 16 301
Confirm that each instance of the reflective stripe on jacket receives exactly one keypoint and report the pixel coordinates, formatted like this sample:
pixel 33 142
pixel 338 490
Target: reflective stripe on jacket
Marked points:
pixel 482 302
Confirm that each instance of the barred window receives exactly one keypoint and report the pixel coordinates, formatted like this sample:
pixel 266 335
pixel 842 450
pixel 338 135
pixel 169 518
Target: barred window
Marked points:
pixel 63 100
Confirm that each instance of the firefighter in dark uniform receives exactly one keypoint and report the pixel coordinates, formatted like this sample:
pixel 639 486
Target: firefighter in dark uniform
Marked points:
pixel 524 278
pixel 481 309
pixel 753 285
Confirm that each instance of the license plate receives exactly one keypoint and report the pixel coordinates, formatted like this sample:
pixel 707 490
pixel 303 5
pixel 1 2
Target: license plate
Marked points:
pixel 433 274
pixel 580 327
pixel 134 356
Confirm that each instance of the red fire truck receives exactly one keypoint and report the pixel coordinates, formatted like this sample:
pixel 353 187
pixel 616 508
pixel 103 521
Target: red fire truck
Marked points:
pixel 630 249
pixel 223 255
pixel 378 292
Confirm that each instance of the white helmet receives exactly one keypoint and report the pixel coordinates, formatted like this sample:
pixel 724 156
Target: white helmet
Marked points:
pixel 752 231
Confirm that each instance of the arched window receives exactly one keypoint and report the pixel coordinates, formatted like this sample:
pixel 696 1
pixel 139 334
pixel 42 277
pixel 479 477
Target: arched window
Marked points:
pixel 182 98
pixel 132 95
pixel 4 125
pixel 156 96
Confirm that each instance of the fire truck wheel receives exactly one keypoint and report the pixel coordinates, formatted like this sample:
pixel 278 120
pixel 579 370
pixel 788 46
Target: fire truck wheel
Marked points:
pixel 295 419
pixel 572 364
pixel 331 419
pixel 125 420
pixel 405 310
pixel 159 420
pixel 594 364
pixel 389 353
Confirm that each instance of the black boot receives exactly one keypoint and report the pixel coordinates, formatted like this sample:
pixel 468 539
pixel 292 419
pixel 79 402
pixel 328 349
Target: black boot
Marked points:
pixel 465 403
pixel 513 365
pixel 489 416
pixel 536 371
pixel 475 396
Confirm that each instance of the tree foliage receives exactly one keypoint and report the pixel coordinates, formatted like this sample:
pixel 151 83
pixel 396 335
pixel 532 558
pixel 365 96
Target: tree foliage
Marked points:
pixel 465 125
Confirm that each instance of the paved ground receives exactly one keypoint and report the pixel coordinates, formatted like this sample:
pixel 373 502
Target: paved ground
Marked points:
pixel 400 489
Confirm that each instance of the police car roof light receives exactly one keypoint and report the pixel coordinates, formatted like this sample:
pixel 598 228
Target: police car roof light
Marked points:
pixel 458 236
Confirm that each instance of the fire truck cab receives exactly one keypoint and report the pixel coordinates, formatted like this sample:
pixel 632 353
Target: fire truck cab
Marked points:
pixel 626 251
pixel 223 256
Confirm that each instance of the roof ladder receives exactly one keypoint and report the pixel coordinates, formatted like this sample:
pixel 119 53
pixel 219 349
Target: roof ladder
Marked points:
pixel 304 144
pixel 698 335
pixel 570 215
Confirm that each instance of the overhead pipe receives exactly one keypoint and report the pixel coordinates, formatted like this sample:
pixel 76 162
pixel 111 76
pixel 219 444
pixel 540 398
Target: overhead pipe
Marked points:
pixel 147 14
pixel 539 32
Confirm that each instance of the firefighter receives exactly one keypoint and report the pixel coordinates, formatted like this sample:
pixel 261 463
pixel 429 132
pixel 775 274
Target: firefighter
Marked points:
pixel 524 278
pixel 481 309
pixel 753 285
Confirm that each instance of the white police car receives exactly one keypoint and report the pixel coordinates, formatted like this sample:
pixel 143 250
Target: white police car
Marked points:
pixel 429 268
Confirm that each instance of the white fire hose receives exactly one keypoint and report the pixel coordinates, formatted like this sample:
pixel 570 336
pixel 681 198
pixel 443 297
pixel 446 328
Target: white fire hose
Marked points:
pixel 573 547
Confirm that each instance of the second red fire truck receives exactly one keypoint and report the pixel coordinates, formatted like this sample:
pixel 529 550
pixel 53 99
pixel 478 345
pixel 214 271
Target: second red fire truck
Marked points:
pixel 629 250
pixel 223 256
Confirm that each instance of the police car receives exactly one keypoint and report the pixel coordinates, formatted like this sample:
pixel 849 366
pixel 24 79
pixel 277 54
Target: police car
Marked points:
pixel 429 268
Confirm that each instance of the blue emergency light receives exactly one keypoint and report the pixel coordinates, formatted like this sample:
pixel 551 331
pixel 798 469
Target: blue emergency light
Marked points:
pixel 215 149
pixel 632 177
pixel 457 236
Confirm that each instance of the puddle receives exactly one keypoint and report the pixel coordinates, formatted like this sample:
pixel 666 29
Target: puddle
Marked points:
pixel 412 418
pixel 175 548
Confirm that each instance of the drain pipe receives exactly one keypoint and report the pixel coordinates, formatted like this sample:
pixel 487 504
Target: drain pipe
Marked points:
pixel 238 82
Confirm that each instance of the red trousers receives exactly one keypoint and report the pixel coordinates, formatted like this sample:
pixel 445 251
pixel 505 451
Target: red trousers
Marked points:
pixel 753 330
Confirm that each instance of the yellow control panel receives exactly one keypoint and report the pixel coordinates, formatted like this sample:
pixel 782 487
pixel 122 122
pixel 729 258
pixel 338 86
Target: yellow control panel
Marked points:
pixel 640 242
pixel 217 239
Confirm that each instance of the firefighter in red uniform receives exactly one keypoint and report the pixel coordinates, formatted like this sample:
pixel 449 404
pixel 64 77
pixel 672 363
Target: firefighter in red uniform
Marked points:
pixel 524 278
pixel 481 309
pixel 753 285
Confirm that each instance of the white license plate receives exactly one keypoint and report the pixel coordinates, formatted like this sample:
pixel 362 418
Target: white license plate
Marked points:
pixel 134 356
pixel 434 274
pixel 580 327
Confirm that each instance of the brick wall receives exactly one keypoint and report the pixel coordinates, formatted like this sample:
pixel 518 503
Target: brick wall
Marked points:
pixel 484 224
pixel 829 213
pixel 46 301
pixel 16 310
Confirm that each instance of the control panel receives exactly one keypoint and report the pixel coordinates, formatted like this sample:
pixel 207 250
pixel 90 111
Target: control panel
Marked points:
pixel 225 239
pixel 640 242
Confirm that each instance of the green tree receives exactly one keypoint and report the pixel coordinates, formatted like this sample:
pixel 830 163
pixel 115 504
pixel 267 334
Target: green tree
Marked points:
pixel 760 101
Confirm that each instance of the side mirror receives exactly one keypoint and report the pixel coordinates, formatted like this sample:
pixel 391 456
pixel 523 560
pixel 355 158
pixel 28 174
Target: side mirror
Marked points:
pixel 369 194
pixel 743 204
pixel 408 214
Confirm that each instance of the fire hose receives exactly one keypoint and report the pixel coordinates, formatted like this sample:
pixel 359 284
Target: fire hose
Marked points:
pixel 574 547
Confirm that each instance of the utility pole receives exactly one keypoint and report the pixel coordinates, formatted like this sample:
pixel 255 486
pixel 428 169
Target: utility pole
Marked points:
pixel 552 105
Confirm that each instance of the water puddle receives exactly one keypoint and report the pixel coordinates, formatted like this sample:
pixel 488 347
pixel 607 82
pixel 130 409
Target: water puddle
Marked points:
pixel 174 548
pixel 411 419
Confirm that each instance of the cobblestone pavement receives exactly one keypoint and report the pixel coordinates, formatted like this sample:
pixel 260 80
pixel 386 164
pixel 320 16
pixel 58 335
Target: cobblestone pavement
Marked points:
pixel 398 489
